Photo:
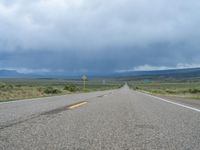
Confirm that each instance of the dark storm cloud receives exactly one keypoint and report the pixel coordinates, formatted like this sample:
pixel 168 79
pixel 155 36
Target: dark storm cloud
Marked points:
pixel 98 35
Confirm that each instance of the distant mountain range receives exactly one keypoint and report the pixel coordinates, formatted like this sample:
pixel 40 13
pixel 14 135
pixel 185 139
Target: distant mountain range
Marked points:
pixel 192 72
pixel 9 73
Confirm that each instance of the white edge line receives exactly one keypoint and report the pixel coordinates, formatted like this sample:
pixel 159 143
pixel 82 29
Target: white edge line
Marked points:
pixel 185 106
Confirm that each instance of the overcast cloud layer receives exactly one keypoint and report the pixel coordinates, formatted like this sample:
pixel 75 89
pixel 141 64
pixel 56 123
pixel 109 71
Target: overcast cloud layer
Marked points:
pixel 98 35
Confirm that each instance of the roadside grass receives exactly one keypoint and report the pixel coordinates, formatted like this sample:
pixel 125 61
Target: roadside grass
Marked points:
pixel 184 89
pixel 15 89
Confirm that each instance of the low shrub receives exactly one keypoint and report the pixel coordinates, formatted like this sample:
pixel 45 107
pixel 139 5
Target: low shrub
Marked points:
pixel 5 87
pixel 194 91
pixel 51 90
pixel 170 91
pixel 157 91
pixel 137 88
pixel 2 85
pixel 71 88
pixel 40 89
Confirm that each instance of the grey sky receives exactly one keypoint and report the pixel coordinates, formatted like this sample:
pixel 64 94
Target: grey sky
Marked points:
pixel 99 35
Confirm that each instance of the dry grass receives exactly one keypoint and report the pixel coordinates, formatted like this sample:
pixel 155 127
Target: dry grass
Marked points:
pixel 185 89
pixel 25 89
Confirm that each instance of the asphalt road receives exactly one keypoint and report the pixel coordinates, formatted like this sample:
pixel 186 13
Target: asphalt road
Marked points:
pixel 120 120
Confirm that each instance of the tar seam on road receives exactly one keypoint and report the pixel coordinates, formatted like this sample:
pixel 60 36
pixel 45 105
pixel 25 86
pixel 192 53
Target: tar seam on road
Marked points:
pixel 49 112
pixel 185 106
pixel 54 111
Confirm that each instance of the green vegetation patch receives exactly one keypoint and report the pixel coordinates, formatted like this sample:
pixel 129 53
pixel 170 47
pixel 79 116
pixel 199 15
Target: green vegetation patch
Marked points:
pixel 51 90
pixel 71 88
pixel 175 87
pixel 14 89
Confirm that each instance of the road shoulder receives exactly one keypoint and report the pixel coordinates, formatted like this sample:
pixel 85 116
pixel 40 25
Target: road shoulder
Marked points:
pixel 188 102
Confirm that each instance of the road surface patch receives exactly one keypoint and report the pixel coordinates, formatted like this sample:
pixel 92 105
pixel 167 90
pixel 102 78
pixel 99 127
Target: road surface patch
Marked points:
pixel 100 96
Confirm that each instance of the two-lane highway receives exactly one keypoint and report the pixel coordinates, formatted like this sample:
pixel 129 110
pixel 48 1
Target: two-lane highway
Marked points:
pixel 119 119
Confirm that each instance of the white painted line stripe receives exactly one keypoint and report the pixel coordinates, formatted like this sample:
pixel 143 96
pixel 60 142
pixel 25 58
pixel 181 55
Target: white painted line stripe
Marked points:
pixel 185 106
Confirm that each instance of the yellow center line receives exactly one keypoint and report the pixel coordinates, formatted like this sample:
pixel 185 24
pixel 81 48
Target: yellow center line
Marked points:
pixel 77 105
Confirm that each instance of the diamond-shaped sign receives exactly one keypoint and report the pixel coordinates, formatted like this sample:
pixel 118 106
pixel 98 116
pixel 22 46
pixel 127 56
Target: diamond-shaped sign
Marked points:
pixel 84 77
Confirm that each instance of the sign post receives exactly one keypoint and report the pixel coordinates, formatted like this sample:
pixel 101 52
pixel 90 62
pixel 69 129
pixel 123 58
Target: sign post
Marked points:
pixel 84 78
